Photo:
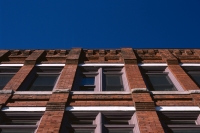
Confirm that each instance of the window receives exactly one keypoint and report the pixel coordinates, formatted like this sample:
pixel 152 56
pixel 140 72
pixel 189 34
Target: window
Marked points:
pixel 100 79
pixel 19 122
pixel 97 122
pixel 158 79
pixel 194 73
pixel 180 122
pixel 42 79
pixel 6 73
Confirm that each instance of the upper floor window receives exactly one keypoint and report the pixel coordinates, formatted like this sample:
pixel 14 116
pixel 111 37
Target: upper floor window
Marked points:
pixel 42 79
pixel 194 73
pixel 100 79
pixel 6 73
pixel 159 78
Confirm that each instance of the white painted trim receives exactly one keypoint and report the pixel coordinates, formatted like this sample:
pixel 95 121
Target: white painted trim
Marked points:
pixel 105 92
pixel 190 64
pixel 101 64
pixel 152 64
pixel 100 108
pixel 11 65
pixel 170 92
pixel 177 108
pixel 23 109
pixel 33 92
pixel 50 65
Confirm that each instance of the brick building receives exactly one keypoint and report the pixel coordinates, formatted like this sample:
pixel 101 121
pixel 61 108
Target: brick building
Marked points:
pixel 100 91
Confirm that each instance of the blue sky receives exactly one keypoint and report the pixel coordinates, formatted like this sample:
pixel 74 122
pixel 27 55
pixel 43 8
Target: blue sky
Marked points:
pixel 63 24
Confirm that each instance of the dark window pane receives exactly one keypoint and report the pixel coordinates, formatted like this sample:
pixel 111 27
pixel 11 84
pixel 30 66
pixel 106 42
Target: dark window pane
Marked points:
pixel 120 131
pixel 185 131
pixel 196 78
pixel 86 88
pixel 4 79
pixel 21 122
pixel 82 131
pixel 114 83
pixel 161 82
pixel 43 83
pixel 159 79
pixel 18 131
pixel 87 81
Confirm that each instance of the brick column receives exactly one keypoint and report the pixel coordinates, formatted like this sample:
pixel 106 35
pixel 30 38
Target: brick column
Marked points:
pixel 24 71
pixel 185 81
pixel 21 75
pixel 147 117
pixel 4 96
pixel 52 119
pixel 133 73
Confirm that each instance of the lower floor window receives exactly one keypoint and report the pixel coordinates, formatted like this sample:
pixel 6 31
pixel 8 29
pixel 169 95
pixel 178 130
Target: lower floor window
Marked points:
pixel 19 122
pixel 97 122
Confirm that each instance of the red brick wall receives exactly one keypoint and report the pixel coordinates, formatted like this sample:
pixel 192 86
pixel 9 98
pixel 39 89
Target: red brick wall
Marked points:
pixel 148 122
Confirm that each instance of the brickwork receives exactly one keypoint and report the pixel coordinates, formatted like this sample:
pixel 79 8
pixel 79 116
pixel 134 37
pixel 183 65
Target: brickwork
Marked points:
pixel 185 81
pixel 148 122
pixel 51 122
pixel 100 100
pixel 139 97
pixel 134 76
pixel 18 78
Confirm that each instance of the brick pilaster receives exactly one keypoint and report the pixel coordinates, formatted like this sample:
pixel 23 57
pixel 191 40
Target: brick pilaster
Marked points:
pixel 133 73
pixel 168 57
pixel 185 81
pixel 24 71
pixel 52 118
pixel 69 71
pixel 147 117
pixel 18 78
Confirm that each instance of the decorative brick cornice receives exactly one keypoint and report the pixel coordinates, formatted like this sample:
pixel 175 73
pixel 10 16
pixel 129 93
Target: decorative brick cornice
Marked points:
pixel 129 56
pixel 73 56
pixel 32 59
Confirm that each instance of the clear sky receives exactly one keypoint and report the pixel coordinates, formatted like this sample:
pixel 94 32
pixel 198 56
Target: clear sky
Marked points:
pixel 63 24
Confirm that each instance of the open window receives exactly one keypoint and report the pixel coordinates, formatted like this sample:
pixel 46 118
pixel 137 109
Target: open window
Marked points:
pixel 100 79
pixel 180 122
pixel 41 79
pixel 6 73
pixel 159 78
pixel 19 122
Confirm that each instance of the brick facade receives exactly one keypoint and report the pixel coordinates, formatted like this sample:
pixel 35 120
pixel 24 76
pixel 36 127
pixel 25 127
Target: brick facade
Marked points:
pixel 62 96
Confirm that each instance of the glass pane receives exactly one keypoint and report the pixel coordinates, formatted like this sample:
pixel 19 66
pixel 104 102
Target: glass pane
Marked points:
pixel 86 88
pixel 113 80
pixel 161 82
pixel 185 131
pixel 82 131
pixel 21 122
pixel 120 131
pixel 4 79
pixel 196 78
pixel 87 81
pixel 114 83
pixel 18 131
pixel 164 88
pixel 159 79
pixel 43 83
